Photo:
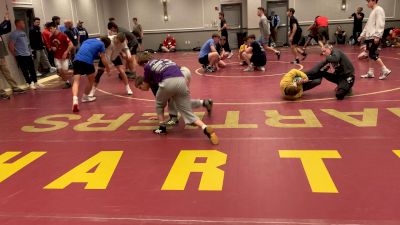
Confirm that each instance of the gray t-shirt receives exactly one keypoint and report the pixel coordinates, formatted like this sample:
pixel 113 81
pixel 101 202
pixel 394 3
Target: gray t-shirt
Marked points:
pixel 21 43
pixel 264 26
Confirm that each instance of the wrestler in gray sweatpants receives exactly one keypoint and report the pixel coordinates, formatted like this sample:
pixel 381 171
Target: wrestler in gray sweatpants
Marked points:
pixel 176 90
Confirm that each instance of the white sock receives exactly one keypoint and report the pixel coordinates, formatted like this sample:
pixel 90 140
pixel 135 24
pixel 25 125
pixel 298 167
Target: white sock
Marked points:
pixel 202 102
pixel 371 71
pixel 93 91
pixel 75 100
pixel 204 127
pixel 127 87
pixel 384 69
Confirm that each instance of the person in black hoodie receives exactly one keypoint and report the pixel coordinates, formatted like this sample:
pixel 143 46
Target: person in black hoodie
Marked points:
pixel 37 45
pixel 343 74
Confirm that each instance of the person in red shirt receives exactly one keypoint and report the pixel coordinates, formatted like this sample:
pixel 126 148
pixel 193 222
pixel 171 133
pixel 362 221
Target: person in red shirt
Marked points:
pixel 169 44
pixel 46 40
pixel 323 30
pixel 61 46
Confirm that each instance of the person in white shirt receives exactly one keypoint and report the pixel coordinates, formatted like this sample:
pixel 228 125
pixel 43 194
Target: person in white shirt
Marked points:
pixel 117 51
pixel 372 34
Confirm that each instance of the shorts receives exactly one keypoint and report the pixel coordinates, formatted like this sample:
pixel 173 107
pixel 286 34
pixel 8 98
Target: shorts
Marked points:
pixel 62 64
pixel 263 41
pixel 311 37
pixel 323 32
pixel 258 60
pixel 133 49
pixel 116 62
pixel 372 49
pixel 296 38
pixel 82 68
pixel 204 60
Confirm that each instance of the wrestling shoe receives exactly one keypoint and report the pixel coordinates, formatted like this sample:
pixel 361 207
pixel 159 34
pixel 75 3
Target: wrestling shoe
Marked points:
pixel 249 69
pixel 173 120
pixel 295 62
pixel 162 130
pixel 32 86
pixel 87 98
pixel 368 75
pixel 210 69
pixel 208 104
pixel 261 68
pixel 210 133
pixel 67 85
pixel 5 96
pixel 385 74
pixel 278 55
pixel 75 108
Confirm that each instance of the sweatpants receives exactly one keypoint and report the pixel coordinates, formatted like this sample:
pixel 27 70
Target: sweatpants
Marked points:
pixel 41 59
pixel 5 72
pixel 176 90
pixel 27 67
pixel 344 83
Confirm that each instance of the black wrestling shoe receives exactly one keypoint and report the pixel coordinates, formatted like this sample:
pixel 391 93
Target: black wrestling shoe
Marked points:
pixel 208 104
pixel 162 130
pixel 5 97
pixel 67 85
pixel 173 120
pixel 295 62
pixel 278 55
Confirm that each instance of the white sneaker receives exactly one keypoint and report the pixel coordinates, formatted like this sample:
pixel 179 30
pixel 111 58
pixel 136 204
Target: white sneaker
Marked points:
pixel 249 69
pixel 385 74
pixel 32 86
pixel 39 74
pixel 230 55
pixel 53 69
pixel 368 75
pixel 86 98
pixel 37 85
pixel 129 91
pixel 261 68
pixel 241 63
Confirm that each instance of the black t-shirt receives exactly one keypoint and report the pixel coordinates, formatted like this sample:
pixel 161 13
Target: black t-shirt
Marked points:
pixel 293 21
pixel 35 38
pixel 224 32
pixel 72 36
pixel 358 22
pixel 131 39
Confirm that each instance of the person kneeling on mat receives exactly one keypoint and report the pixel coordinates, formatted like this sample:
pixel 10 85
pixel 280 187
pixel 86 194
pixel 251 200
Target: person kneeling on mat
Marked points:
pixel 83 65
pixel 117 50
pixel 209 56
pixel 254 55
pixel 172 86
pixel 343 75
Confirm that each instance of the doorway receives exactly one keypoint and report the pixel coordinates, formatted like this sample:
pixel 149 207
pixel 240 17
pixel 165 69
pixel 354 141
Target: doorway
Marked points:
pixel 233 16
pixel 280 8
pixel 25 14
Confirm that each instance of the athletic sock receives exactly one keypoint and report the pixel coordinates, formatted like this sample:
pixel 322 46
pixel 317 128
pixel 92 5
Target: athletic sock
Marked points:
pixel 204 127
pixel 384 69
pixel 93 91
pixel 371 71
pixel 75 100
pixel 202 102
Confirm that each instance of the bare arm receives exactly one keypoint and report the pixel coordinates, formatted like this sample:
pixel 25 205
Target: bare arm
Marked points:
pixel 11 47
pixel 104 61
